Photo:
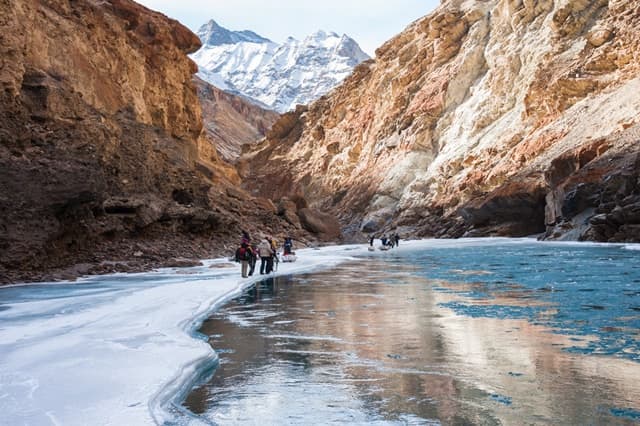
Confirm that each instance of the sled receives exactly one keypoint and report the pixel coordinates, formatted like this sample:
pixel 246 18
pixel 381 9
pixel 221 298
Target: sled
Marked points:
pixel 289 258
pixel 384 248
pixel 371 248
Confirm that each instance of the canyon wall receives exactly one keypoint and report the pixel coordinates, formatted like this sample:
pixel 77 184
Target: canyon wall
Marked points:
pixel 230 122
pixel 492 117
pixel 103 161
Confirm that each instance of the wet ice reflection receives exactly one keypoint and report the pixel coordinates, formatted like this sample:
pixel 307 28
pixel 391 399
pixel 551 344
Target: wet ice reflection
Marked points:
pixel 380 341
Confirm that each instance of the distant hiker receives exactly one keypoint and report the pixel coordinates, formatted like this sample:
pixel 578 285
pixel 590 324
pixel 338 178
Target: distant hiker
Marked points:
pixel 244 255
pixel 371 241
pixel 383 240
pixel 288 246
pixel 288 255
pixel 397 239
pixel 275 260
pixel 246 239
pixel 254 259
pixel 266 256
pixel 274 257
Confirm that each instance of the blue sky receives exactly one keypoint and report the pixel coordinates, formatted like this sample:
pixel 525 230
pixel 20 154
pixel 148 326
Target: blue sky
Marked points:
pixel 369 22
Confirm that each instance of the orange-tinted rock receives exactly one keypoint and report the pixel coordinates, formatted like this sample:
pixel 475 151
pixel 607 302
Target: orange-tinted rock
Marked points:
pixel 102 153
pixel 461 110
pixel 322 224
pixel 231 122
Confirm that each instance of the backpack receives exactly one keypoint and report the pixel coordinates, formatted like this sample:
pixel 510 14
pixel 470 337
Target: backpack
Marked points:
pixel 243 253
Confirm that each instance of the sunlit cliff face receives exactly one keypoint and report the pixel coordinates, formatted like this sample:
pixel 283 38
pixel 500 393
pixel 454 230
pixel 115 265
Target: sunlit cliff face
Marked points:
pixel 480 117
pixel 102 143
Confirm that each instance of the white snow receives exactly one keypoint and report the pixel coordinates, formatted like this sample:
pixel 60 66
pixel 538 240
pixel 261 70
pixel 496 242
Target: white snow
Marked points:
pixel 116 349
pixel 279 76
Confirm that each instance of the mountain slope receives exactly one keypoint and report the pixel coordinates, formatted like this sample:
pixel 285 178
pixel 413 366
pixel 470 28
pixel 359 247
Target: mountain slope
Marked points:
pixel 230 122
pixel 278 76
pixel 482 118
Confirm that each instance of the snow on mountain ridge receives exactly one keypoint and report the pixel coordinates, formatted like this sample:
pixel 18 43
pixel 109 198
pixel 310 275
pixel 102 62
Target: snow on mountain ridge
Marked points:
pixel 213 34
pixel 277 75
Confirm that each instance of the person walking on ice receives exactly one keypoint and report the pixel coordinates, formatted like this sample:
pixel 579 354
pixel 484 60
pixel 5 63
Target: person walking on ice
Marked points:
pixel 244 255
pixel 266 256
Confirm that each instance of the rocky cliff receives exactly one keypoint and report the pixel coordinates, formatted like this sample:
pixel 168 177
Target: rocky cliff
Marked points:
pixel 493 117
pixel 230 122
pixel 102 156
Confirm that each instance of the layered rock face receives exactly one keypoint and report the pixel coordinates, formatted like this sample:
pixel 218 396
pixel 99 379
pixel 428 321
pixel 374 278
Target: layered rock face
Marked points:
pixel 231 122
pixel 496 117
pixel 102 155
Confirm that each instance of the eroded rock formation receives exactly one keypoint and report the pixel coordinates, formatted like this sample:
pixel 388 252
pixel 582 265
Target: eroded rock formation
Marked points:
pixel 102 155
pixel 231 122
pixel 496 117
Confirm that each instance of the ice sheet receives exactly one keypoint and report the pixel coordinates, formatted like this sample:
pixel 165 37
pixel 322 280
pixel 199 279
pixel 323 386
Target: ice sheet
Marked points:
pixel 114 349
pixel 119 349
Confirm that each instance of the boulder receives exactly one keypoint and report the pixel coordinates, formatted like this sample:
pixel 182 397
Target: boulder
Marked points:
pixel 289 210
pixel 326 226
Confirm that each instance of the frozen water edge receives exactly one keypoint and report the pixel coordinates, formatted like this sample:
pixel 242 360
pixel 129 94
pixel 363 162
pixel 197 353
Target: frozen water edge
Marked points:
pixel 120 349
pixel 116 349
pixel 172 393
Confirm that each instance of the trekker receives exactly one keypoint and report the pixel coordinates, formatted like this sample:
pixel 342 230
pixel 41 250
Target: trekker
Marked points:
pixel 253 260
pixel 244 255
pixel 288 246
pixel 274 257
pixel 371 241
pixel 397 238
pixel 266 256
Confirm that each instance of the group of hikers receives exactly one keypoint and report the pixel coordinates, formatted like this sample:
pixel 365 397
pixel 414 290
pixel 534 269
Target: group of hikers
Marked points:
pixel 387 242
pixel 266 250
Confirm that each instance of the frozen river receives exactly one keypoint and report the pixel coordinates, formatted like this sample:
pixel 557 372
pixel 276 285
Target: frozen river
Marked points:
pixel 456 333
pixel 493 331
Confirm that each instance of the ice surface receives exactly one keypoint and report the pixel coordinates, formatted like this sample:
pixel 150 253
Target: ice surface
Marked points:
pixel 114 349
pixel 120 349
pixel 499 346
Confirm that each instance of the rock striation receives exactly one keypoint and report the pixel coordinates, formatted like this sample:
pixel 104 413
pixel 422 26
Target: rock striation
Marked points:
pixel 103 159
pixel 230 122
pixel 494 117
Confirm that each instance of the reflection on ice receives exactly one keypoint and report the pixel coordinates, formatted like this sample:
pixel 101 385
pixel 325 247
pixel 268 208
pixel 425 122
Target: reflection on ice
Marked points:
pixel 112 349
pixel 454 333
pixel 388 338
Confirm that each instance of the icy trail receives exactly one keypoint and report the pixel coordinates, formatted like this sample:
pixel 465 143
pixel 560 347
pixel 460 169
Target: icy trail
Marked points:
pixel 118 349
pixel 114 349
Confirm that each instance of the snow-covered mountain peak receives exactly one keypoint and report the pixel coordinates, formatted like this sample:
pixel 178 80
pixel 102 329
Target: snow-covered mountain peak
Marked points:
pixel 278 76
pixel 322 39
pixel 349 48
pixel 322 35
pixel 213 34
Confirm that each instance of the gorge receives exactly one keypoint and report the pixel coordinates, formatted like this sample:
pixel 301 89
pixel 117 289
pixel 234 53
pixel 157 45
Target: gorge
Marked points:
pixel 494 117
pixel 104 164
